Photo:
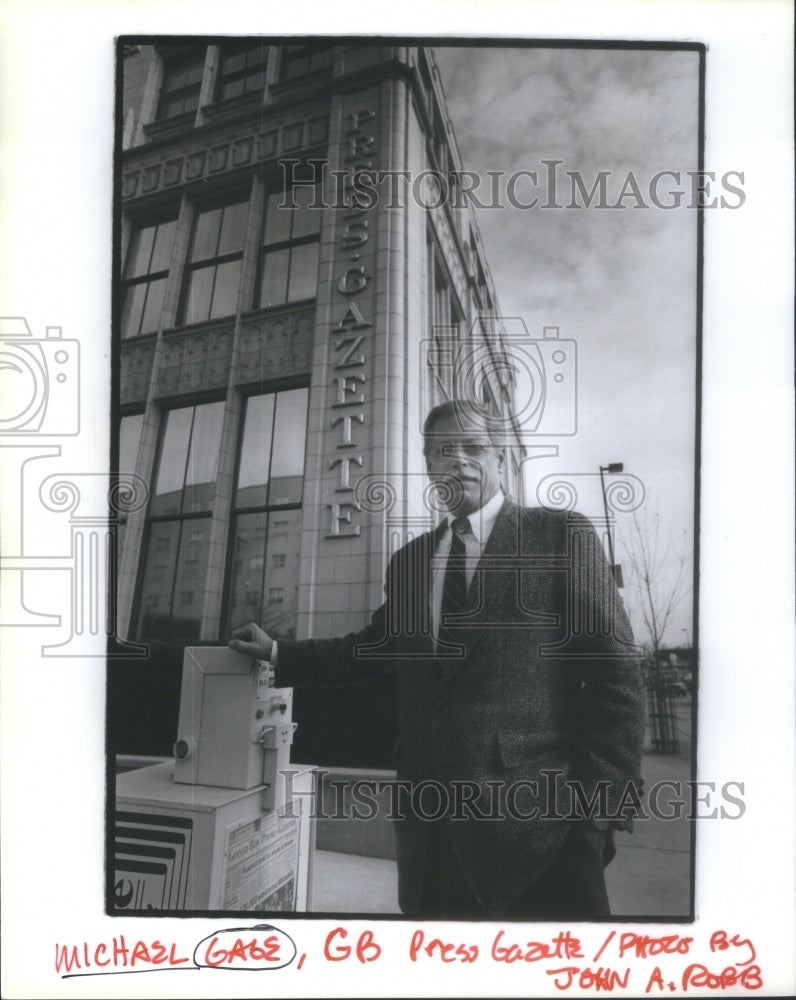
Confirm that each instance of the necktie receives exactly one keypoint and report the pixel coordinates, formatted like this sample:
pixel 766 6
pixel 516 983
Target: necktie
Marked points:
pixel 454 588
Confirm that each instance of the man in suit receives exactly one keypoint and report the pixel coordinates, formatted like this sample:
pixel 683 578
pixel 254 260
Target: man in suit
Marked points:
pixel 520 708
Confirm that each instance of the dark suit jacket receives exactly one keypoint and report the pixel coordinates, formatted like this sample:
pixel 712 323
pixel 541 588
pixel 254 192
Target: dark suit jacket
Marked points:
pixel 543 690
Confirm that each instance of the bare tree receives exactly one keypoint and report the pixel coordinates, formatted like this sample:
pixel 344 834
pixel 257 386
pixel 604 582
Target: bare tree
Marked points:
pixel 658 580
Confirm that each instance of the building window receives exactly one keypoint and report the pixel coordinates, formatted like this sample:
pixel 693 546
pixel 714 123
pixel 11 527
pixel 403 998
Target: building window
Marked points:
pixel 182 82
pixel 266 522
pixel 242 69
pixel 445 319
pixel 300 59
pixel 425 80
pixel 178 531
pixel 289 258
pixel 213 271
pixel 146 273
pixel 129 440
pixel 439 142
pixel 441 305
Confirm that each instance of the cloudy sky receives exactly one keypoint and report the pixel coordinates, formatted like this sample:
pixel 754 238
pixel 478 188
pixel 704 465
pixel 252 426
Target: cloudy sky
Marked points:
pixel 620 281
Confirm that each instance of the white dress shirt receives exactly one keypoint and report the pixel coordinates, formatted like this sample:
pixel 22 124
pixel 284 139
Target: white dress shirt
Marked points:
pixel 481 523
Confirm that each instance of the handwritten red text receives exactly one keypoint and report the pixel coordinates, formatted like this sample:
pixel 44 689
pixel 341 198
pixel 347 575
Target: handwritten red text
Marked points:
pixel 366 949
pixel 118 955
pixel 563 945
pixel 445 951
pixel 589 979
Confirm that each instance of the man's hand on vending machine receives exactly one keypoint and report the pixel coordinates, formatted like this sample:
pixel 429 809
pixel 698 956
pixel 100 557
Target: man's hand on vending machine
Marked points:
pixel 251 640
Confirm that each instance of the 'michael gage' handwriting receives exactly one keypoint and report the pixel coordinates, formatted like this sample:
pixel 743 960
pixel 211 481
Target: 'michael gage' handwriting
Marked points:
pixel 256 948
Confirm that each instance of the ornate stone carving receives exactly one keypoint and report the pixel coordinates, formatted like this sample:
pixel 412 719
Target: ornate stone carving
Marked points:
pixel 136 363
pixel 151 179
pixel 130 184
pixel 195 165
pixel 273 346
pixel 194 359
pixel 172 172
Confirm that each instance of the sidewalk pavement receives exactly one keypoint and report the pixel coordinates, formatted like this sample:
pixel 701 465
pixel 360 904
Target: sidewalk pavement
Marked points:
pixel 650 876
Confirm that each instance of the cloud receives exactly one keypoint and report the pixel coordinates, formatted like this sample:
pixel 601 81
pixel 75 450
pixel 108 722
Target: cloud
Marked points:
pixel 620 281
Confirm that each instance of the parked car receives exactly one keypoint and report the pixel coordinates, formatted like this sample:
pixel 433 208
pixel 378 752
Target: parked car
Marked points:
pixel 677 688
pixel 669 681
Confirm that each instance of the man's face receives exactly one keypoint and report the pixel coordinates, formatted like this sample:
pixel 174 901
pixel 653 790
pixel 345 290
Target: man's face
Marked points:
pixel 461 460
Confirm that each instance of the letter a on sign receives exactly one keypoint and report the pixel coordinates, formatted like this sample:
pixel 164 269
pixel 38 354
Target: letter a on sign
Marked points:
pixel 352 319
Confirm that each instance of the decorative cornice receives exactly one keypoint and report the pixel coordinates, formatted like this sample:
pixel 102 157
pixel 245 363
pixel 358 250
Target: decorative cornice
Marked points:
pixel 214 152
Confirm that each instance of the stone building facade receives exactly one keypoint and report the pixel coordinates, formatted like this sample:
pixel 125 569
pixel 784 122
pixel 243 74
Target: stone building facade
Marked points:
pixel 299 278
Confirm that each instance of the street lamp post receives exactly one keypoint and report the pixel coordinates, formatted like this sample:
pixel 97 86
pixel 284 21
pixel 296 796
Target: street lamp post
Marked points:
pixel 611 469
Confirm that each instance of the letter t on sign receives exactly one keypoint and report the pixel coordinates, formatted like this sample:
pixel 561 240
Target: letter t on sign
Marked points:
pixel 348 438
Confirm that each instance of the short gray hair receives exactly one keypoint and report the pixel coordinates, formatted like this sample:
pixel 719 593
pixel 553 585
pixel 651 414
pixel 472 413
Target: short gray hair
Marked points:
pixel 465 410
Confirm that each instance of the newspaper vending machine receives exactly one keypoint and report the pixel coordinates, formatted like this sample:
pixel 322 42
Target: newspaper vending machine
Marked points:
pixel 228 823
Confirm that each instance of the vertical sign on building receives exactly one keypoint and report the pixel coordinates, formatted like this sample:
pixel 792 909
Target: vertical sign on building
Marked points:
pixel 352 312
